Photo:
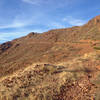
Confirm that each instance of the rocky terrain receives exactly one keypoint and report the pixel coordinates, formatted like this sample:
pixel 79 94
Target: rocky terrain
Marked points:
pixel 61 64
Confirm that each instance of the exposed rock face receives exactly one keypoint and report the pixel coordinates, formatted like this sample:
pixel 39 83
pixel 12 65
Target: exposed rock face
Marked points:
pixel 97 20
pixel 5 46
pixel 31 34
pixel 94 21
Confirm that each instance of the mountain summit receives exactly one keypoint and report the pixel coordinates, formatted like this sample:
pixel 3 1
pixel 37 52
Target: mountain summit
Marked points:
pixel 95 21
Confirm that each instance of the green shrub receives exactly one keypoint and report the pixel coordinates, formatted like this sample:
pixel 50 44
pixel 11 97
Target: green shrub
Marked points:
pixel 97 48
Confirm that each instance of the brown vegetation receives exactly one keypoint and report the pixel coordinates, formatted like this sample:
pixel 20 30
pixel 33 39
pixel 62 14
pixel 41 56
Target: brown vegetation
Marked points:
pixel 61 64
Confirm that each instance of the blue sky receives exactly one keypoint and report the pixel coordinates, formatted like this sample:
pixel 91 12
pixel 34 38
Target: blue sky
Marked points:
pixel 19 17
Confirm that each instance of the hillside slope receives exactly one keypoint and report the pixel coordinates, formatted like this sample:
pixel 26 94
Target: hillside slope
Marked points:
pixel 52 46
pixel 72 80
pixel 50 65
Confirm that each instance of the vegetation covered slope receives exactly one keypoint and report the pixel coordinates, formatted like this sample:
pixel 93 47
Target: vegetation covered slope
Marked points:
pixel 51 46
pixel 52 65
pixel 72 80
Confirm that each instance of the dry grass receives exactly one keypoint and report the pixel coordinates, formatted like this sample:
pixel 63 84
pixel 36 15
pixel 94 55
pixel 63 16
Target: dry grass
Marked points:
pixel 51 66
pixel 52 46
pixel 45 81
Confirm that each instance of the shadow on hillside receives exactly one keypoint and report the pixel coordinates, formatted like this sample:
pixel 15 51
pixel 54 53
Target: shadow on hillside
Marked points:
pixel 85 70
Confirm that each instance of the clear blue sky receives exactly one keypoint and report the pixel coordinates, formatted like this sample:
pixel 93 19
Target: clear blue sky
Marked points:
pixel 19 17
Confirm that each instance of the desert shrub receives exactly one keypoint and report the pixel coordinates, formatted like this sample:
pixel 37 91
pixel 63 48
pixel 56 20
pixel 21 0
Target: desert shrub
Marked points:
pixel 98 57
pixel 97 48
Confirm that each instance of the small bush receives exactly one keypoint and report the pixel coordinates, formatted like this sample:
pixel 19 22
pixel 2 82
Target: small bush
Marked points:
pixel 97 48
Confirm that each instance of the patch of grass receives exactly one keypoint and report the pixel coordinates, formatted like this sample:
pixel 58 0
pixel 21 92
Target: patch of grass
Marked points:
pixel 97 48
pixel 97 97
pixel 97 83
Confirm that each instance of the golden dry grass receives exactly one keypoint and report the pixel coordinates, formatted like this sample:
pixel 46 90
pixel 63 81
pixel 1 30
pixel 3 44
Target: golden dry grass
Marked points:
pixel 42 81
